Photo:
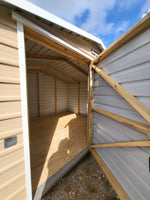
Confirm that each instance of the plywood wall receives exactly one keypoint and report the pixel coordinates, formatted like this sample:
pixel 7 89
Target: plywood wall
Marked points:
pixel 12 170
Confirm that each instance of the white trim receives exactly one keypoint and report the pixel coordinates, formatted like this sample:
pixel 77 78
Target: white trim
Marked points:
pixel 29 7
pixel 45 33
pixel 24 105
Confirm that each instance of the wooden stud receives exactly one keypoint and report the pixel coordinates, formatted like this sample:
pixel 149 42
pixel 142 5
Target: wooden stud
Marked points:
pixel 55 96
pixel 67 97
pixel 143 143
pixel 51 58
pixel 90 112
pixel 78 98
pixel 135 103
pixel 134 30
pixel 132 123
pixel 113 181
pixel 38 80
pixel 53 70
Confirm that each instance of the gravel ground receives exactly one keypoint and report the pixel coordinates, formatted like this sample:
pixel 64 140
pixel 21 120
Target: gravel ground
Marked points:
pixel 85 182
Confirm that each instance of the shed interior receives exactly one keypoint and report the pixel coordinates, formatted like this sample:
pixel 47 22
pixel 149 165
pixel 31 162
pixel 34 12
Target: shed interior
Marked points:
pixel 58 105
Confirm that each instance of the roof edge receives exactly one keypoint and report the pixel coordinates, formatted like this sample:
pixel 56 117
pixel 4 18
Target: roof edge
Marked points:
pixel 33 9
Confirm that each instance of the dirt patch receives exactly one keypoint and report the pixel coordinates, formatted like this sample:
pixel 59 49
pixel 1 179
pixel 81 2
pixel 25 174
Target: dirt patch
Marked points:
pixel 85 182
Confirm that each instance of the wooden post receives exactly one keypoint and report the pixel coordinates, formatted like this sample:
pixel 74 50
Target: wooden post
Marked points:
pixel 55 96
pixel 90 101
pixel 67 98
pixel 78 98
pixel 38 85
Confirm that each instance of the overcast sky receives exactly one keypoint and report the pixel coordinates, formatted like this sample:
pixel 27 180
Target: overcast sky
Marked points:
pixel 106 19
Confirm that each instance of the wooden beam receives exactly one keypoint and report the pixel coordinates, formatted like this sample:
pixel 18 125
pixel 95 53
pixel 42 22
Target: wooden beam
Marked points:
pixel 38 80
pixel 42 40
pixel 55 95
pixel 47 75
pixel 44 58
pixel 90 112
pixel 78 98
pixel 143 143
pixel 132 123
pixel 134 30
pixel 53 70
pixel 67 97
pixel 135 103
pixel 113 181
pixel 76 67
pixel 52 58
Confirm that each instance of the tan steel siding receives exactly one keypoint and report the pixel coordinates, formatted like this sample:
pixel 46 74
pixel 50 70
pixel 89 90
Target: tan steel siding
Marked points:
pixel 12 170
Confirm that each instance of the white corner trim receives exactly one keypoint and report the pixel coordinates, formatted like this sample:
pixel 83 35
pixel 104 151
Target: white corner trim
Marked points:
pixel 24 105
pixel 29 7
pixel 46 34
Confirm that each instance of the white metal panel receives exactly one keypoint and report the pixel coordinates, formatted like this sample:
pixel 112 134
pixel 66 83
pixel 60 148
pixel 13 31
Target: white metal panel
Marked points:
pixel 128 65
pixel 47 95
pixel 61 97
pixel 32 94
pixel 73 98
pixel 83 98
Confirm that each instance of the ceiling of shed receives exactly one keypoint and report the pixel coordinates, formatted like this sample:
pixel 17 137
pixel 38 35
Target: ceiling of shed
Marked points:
pixel 55 64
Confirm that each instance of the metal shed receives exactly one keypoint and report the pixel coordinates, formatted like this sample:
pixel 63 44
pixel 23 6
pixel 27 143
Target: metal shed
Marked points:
pixel 58 101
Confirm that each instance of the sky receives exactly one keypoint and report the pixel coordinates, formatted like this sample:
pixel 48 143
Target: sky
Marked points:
pixel 106 19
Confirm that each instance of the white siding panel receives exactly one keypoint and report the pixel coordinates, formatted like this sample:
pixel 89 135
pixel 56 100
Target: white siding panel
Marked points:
pixel 83 98
pixel 47 95
pixel 61 97
pixel 32 94
pixel 130 66
pixel 73 98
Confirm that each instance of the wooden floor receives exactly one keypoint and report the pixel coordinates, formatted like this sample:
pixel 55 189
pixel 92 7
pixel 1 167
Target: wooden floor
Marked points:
pixel 55 140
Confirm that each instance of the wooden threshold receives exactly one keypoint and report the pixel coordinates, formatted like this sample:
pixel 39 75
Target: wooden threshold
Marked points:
pixel 143 143
pixel 113 181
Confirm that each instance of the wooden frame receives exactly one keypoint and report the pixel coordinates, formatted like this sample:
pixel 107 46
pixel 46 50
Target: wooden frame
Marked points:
pixel 38 79
pixel 135 103
pixel 67 97
pixel 90 112
pixel 78 98
pixel 141 143
pixel 53 70
pixel 113 181
pixel 55 95
pixel 24 101
pixel 51 58
pixel 129 122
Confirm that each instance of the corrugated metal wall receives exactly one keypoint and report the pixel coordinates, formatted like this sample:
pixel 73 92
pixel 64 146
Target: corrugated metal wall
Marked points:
pixel 12 169
pixel 47 95
pixel 33 94
pixel 61 97
pixel 83 98
pixel 73 98
pixel 128 65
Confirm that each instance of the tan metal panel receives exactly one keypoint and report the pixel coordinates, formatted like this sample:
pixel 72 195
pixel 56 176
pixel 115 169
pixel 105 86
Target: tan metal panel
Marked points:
pixel 73 98
pixel 83 98
pixel 8 55
pixel 61 97
pixel 9 92
pixel 10 109
pixel 12 170
pixel 9 74
pixel 8 36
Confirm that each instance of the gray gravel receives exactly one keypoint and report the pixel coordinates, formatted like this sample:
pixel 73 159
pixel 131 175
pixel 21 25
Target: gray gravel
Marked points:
pixel 85 181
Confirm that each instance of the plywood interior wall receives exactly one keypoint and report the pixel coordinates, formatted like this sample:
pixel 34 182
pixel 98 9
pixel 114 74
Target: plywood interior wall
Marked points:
pixel 12 173
pixel 129 66
pixel 46 96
